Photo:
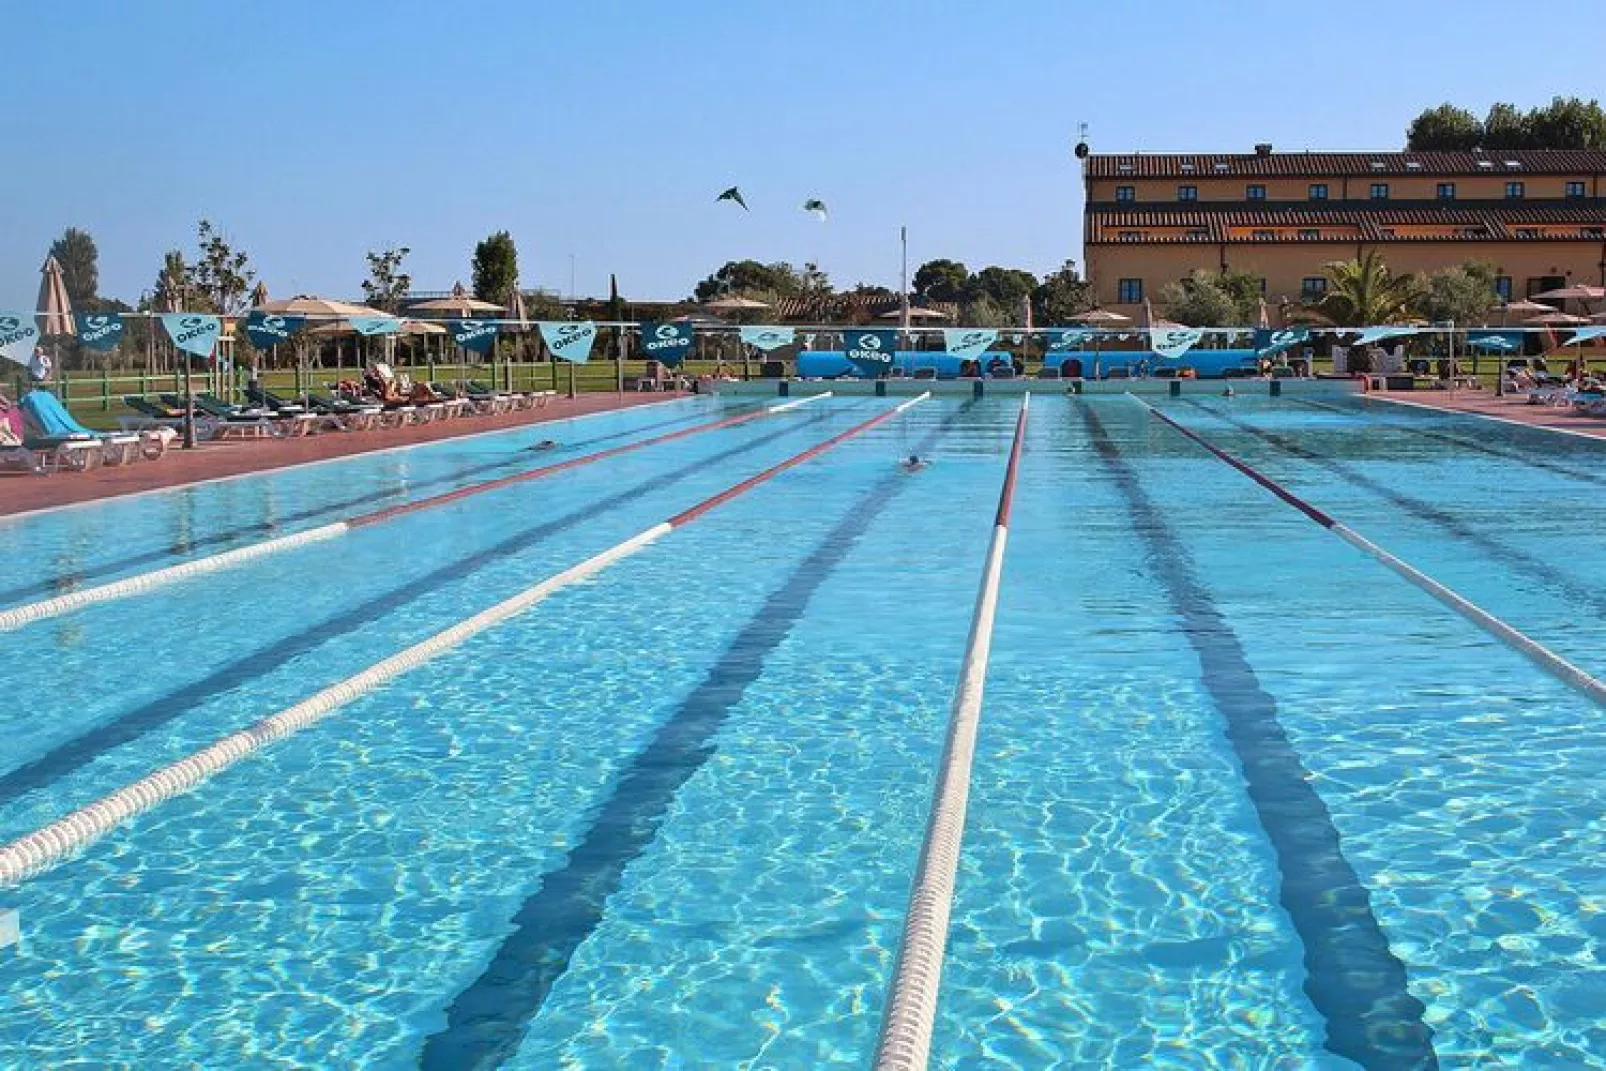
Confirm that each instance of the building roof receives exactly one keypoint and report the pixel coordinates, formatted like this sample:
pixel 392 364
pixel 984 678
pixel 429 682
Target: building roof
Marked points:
pixel 1324 164
pixel 1498 219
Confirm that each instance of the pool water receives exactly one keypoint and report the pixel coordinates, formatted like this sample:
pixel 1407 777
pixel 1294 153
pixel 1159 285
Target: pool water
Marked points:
pixel 1242 797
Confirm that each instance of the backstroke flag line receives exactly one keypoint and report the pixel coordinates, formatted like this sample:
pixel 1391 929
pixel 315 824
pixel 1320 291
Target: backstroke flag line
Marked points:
pixel 375 325
pixel 99 331
pixel 569 341
pixel 193 332
pixel 968 342
pixel 1066 338
pixel 666 343
pixel 871 351
pixel 18 336
pixel 767 338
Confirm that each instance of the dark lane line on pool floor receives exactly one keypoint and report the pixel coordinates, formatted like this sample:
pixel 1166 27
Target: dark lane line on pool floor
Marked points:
pixel 486 1022
pixel 1351 975
pixel 1566 585
pixel 67 582
pixel 1504 453
pixel 78 752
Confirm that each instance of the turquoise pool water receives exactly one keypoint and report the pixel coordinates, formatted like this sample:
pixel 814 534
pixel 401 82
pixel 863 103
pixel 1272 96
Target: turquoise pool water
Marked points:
pixel 1243 798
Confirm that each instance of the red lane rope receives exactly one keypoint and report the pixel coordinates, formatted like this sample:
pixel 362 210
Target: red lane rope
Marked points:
pixel 547 470
pixel 686 516
pixel 1006 497
pixel 1265 481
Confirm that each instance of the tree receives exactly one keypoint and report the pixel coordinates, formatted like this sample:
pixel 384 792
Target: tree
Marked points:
pixel 1444 127
pixel 1462 294
pixel 80 266
pixel 1061 295
pixel 1505 127
pixel 1568 123
pixel 387 284
pixel 985 312
pixel 222 274
pixel 1364 292
pixel 1200 301
pixel 172 292
pixel 941 280
pixel 1007 288
pixel 496 268
pixel 747 276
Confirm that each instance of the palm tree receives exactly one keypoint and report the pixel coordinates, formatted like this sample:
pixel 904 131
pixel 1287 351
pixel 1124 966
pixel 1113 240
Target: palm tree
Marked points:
pixel 1365 293
pixel 79 259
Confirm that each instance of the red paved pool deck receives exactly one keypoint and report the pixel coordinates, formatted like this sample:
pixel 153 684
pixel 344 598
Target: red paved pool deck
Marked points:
pixel 1510 407
pixel 20 492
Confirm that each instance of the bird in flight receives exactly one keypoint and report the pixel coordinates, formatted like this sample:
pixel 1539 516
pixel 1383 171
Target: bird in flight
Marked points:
pixel 734 194
pixel 816 206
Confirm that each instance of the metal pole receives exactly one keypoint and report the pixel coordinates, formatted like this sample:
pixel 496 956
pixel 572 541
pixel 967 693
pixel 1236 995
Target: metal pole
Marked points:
pixel 189 407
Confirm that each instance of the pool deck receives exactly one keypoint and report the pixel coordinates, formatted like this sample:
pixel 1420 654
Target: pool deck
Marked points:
pixel 1510 408
pixel 21 492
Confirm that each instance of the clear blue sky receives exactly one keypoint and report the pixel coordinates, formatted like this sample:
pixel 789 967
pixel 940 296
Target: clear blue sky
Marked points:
pixel 311 132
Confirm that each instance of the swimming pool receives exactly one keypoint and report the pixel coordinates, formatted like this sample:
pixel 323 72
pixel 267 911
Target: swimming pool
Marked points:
pixel 1242 797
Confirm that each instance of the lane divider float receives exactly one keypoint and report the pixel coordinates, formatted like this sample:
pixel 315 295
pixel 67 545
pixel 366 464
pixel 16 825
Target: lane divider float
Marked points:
pixel 1535 651
pixel 139 583
pixel 42 849
pixel 911 1010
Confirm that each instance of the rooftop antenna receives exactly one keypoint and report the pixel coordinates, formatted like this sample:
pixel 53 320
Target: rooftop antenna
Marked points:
pixel 1081 141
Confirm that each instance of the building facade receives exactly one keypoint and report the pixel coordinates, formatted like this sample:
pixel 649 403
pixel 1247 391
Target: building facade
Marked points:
pixel 1539 216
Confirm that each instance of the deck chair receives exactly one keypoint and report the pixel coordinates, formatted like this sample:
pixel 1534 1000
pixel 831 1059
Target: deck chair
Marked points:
pixel 70 443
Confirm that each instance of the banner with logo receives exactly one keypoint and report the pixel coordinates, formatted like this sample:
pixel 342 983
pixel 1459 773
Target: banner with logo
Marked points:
pixel 871 351
pixel 667 344
pixel 1067 338
pixel 18 336
pixel 268 329
pixel 967 342
pixel 1268 341
pixel 1495 341
pixel 99 330
pixel 375 325
pixel 1370 335
pixel 193 332
pixel 568 341
pixel 767 338
pixel 1172 342
pixel 476 335
pixel 1584 334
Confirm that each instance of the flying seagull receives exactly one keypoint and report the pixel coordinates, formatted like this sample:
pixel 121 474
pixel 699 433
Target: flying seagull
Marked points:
pixel 817 206
pixel 734 194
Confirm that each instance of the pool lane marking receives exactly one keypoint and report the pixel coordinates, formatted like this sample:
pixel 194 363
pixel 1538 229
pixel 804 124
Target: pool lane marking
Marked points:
pixel 37 851
pixel 63 583
pixel 904 1043
pixel 1502 452
pixel 28 613
pixel 487 1020
pixel 1536 652
pixel 1564 585
pixel 79 751
pixel 1352 976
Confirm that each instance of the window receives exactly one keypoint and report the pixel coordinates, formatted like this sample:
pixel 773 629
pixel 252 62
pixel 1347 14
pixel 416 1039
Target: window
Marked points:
pixel 1514 191
pixel 1538 284
pixel 1131 236
pixel 1594 232
pixel 1527 232
pixel 1312 288
pixel 1188 168
pixel 1264 236
pixel 1575 191
pixel 1318 191
pixel 1199 233
pixel 1473 232
pixel 1129 291
pixel 1187 193
pixel 1387 232
pixel 1446 191
pixel 1310 236
pixel 1502 287
pixel 1255 193
pixel 1124 167
pixel 1126 193
pixel 1380 191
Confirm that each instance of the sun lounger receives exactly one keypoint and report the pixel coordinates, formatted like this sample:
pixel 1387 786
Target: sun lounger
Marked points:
pixel 64 438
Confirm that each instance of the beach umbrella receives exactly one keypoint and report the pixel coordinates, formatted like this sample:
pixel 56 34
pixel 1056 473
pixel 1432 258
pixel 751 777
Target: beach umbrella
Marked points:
pixel 1579 292
pixel 735 303
pixel 916 312
pixel 1101 316
pixel 458 303
pixel 55 310
pixel 1558 319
